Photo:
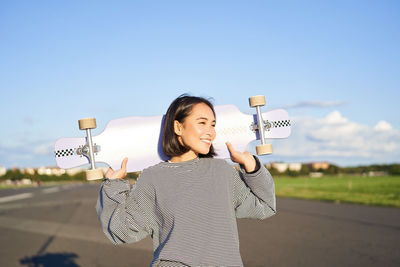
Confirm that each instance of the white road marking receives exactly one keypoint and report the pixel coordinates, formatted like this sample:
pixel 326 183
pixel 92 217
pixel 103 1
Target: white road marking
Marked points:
pixel 15 197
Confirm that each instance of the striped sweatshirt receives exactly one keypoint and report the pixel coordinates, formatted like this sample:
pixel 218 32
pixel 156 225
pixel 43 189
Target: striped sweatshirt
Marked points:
pixel 188 208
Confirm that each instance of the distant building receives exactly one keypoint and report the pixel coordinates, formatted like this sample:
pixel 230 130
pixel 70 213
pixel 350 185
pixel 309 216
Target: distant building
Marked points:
pixel 280 166
pixel 3 171
pixel 58 171
pixel 50 171
pixel 296 167
pixel 377 173
pixel 319 165
pixel 283 166
pixel 30 171
pixel 25 181
pixel 73 171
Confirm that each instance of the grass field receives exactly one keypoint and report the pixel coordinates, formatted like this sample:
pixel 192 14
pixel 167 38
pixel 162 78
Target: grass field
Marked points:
pixel 381 191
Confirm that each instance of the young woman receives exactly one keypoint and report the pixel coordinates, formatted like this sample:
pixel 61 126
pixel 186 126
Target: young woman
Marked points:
pixel 188 204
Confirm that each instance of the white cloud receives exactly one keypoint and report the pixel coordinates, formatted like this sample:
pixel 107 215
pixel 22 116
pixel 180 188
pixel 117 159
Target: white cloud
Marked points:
pixel 28 154
pixel 383 126
pixel 315 104
pixel 44 149
pixel 335 136
pixel 334 118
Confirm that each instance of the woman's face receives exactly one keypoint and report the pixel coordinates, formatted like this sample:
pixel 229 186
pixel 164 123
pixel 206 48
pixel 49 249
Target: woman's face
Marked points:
pixel 197 131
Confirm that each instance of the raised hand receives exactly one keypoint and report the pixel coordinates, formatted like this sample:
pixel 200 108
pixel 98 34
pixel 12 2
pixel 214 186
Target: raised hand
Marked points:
pixel 245 158
pixel 118 174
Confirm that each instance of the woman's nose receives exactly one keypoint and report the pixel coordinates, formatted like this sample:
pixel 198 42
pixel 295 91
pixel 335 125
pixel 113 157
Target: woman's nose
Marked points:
pixel 212 132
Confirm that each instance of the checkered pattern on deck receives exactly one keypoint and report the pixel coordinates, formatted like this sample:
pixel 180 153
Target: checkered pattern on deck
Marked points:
pixel 64 152
pixel 278 124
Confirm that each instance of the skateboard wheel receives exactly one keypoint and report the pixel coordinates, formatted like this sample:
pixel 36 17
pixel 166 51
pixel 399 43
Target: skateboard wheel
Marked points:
pixel 94 174
pixel 89 123
pixel 258 100
pixel 264 149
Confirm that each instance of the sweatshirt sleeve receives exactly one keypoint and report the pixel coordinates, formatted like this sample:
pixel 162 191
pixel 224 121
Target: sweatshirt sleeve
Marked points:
pixel 254 193
pixel 123 211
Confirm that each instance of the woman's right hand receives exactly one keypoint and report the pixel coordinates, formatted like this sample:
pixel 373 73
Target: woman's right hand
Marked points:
pixel 118 174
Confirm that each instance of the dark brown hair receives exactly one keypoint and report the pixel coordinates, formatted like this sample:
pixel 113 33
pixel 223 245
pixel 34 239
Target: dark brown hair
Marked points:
pixel 179 109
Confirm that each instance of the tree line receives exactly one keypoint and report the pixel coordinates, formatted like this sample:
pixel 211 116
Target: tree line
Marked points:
pixel 389 169
pixel 16 175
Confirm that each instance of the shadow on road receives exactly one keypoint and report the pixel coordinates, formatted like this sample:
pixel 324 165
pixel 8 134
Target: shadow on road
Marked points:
pixel 51 259
pixel 42 259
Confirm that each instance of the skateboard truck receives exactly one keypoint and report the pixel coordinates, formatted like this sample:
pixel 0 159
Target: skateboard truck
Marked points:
pixel 267 126
pixel 262 126
pixel 89 149
pixel 84 150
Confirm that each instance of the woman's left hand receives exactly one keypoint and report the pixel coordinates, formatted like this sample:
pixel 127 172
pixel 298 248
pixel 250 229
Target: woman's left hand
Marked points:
pixel 245 158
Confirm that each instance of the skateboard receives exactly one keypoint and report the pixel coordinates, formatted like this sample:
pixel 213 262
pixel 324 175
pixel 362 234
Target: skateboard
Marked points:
pixel 140 138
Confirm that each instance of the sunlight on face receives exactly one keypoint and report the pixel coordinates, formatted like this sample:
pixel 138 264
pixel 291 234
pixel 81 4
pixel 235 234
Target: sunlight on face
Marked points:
pixel 197 132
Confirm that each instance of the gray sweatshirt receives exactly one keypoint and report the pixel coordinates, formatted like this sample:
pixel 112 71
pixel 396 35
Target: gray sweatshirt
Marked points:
pixel 188 208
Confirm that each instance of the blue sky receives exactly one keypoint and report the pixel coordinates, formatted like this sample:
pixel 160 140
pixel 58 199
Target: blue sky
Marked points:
pixel 334 65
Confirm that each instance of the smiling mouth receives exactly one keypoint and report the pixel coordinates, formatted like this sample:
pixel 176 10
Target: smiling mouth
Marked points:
pixel 207 141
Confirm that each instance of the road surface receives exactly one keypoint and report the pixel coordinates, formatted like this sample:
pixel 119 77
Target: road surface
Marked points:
pixel 58 226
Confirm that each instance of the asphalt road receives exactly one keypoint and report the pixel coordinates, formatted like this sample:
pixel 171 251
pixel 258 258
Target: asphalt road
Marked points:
pixel 57 226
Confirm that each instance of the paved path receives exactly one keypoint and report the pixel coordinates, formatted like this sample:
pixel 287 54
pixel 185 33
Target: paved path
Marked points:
pixel 58 226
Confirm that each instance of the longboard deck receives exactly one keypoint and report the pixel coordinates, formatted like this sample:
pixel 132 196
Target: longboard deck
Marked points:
pixel 140 138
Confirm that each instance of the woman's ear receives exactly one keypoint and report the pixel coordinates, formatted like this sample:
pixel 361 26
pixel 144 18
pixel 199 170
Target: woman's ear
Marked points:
pixel 177 128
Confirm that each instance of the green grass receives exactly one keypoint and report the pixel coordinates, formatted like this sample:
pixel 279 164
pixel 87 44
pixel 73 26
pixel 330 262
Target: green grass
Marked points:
pixel 380 191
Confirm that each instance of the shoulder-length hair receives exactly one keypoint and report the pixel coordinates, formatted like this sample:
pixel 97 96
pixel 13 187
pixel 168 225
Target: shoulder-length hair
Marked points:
pixel 179 109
